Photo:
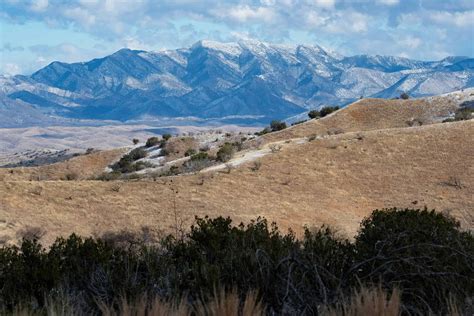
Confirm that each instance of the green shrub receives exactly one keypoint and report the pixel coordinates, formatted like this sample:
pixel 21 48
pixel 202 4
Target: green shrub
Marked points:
pixel 199 156
pixel 266 130
pixel 197 162
pixel 125 164
pixel 404 96
pixel 137 153
pixel 166 137
pixel 152 141
pixel 328 110
pixel 226 152
pixel 109 176
pixel 463 114
pixel 189 152
pixel 423 253
pixel 277 126
pixel 298 122
pixel 314 114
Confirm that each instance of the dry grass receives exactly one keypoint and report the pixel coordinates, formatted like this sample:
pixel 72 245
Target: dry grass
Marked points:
pixel 222 304
pixel 77 168
pixel 228 304
pixel 177 146
pixel 374 302
pixel 156 307
pixel 372 114
pixel 337 179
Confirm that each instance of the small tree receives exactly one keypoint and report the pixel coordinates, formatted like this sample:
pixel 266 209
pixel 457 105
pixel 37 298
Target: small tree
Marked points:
pixel 152 141
pixel 328 110
pixel 135 141
pixel 226 152
pixel 277 126
pixel 314 114
pixel 404 96
pixel 166 137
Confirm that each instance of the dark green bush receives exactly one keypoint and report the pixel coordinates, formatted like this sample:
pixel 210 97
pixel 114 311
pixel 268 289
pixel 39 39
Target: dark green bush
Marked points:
pixel 266 130
pixel 199 156
pixel 125 164
pixel 298 122
pixel 166 137
pixel 277 126
pixel 463 114
pixel 226 152
pixel 314 114
pixel 423 253
pixel 152 141
pixel 109 176
pixel 404 96
pixel 189 152
pixel 328 110
pixel 197 162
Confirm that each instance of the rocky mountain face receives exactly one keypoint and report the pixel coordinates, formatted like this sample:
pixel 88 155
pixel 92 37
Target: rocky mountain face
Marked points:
pixel 244 82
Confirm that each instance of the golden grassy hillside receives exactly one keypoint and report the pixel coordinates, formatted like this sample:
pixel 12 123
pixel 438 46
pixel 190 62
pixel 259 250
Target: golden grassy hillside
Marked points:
pixel 335 180
pixel 372 114
pixel 79 168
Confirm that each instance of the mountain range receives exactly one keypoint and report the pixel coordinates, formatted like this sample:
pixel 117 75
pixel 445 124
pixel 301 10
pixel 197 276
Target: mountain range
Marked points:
pixel 249 82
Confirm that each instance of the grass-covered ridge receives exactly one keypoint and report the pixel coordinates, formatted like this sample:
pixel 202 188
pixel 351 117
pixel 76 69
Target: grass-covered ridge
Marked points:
pixel 421 253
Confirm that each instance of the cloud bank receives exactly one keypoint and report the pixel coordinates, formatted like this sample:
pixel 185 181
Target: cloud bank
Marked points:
pixel 82 29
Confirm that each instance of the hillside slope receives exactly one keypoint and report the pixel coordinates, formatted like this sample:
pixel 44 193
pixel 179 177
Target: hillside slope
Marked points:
pixel 372 114
pixel 335 180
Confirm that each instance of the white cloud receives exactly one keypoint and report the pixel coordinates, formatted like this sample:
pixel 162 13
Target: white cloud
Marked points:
pixel 388 2
pixel 419 27
pixel 243 13
pixel 83 17
pixel 348 22
pixel 316 19
pixel 134 43
pixel 325 3
pixel 39 5
pixel 460 19
pixel 410 42
pixel 11 69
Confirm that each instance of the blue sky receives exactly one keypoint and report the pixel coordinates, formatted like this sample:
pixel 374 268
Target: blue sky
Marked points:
pixel 37 32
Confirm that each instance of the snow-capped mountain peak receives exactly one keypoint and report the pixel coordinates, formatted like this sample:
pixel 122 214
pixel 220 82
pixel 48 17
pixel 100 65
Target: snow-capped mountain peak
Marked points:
pixel 210 79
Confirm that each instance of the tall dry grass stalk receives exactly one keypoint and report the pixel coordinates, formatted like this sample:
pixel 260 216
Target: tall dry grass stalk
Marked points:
pixel 368 301
pixel 140 307
pixel 228 304
pixel 222 304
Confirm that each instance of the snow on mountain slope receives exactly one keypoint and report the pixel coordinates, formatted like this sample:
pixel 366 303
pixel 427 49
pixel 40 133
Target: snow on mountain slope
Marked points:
pixel 221 80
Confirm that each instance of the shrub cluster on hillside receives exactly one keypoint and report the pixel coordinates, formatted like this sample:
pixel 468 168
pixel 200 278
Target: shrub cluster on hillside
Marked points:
pixel 274 127
pixel 420 252
pixel 152 141
pixel 323 112
pixel 463 113
pixel 128 162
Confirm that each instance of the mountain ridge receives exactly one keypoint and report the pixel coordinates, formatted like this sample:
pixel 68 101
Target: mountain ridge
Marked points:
pixel 250 79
